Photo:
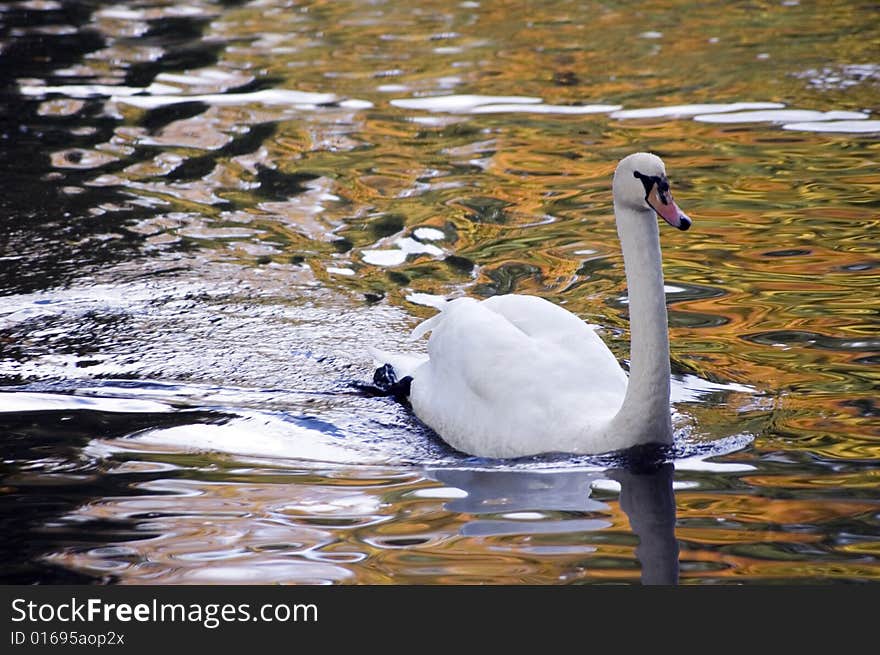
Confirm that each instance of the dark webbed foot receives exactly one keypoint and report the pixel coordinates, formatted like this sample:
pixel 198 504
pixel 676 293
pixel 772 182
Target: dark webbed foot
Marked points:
pixel 386 380
pixel 385 383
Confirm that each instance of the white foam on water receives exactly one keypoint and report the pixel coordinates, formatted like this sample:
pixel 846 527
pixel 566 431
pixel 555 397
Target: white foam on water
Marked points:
pixel 160 95
pixel 690 388
pixel 203 76
pixel 333 270
pixel 384 257
pixel 292 97
pixel 429 234
pixel 355 103
pixel 460 103
pixel 435 121
pixel 119 12
pixel 606 485
pixel 848 127
pixel 504 108
pixel 21 401
pixel 257 435
pixel 444 493
pixel 394 257
pixel 704 465
pixel 392 88
pixel 682 111
pixel 97 90
pixel 780 116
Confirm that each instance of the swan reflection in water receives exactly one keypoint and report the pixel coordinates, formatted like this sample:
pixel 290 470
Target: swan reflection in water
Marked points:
pixel 646 496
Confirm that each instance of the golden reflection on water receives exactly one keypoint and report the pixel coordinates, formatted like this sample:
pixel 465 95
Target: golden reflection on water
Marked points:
pixel 776 282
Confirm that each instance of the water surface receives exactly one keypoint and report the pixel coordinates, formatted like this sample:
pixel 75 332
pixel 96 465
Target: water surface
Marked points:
pixel 212 209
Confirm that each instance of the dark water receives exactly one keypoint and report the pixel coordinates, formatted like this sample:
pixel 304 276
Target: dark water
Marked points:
pixel 210 210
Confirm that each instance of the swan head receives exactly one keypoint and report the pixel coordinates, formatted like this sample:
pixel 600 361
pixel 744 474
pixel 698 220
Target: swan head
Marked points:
pixel 640 184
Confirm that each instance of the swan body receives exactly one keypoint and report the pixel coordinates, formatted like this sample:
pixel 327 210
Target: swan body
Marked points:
pixel 517 375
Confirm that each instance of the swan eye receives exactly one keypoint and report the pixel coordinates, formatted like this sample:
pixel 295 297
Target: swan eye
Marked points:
pixel 651 181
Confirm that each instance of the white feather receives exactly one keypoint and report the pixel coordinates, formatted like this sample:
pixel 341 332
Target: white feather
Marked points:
pixel 516 366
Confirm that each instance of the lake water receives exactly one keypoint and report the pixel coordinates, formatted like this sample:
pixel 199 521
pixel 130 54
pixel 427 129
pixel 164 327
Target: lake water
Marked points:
pixel 210 211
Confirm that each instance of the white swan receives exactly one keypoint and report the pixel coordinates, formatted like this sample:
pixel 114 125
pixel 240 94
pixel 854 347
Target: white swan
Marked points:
pixel 516 375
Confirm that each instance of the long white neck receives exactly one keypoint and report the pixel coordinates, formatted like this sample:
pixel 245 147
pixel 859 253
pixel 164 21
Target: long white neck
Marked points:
pixel 644 416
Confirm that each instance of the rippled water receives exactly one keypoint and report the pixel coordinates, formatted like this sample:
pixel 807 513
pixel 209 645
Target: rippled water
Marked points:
pixel 212 209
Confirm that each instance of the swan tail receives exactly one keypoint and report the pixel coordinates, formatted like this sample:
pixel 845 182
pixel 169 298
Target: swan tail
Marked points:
pixel 425 326
pixel 443 307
